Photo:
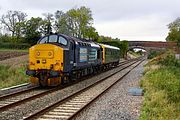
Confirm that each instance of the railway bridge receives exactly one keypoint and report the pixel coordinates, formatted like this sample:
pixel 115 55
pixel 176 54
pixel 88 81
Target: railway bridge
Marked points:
pixel 152 45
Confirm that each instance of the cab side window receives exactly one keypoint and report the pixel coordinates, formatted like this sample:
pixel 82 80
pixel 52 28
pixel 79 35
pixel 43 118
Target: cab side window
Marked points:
pixel 44 40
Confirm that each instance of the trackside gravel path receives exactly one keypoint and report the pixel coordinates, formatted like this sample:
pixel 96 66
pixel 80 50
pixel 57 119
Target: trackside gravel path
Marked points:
pixel 117 104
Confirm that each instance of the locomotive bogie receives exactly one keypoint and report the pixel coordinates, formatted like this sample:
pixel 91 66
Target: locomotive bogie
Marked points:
pixel 50 82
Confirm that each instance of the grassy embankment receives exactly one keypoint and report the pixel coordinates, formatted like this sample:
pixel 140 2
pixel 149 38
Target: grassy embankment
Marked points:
pixel 162 89
pixel 10 76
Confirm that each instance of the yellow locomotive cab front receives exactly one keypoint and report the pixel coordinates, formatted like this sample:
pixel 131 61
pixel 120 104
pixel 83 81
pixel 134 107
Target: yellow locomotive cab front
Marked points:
pixel 45 64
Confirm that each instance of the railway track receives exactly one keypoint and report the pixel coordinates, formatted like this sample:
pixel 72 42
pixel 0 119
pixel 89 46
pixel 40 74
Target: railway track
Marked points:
pixel 18 98
pixel 19 92
pixel 14 99
pixel 70 106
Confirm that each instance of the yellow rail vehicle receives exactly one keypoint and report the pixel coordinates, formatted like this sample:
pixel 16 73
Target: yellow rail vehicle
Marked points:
pixel 57 58
pixel 46 60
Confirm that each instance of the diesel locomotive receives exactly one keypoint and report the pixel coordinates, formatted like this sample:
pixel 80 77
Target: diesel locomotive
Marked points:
pixel 58 58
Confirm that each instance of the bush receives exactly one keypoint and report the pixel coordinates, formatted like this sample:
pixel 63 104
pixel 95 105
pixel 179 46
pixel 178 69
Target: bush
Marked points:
pixel 162 91
pixel 10 76
pixel 10 39
pixel 169 60
pixel 161 94
pixel 153 54
pixel 15 45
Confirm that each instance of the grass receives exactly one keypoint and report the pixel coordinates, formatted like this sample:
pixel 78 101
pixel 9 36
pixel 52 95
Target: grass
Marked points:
pixel 134 54
pixel 162 90
pixel 10 76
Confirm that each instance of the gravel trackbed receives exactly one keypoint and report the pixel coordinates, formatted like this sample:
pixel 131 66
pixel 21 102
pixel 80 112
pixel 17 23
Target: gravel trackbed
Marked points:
pixel 117 104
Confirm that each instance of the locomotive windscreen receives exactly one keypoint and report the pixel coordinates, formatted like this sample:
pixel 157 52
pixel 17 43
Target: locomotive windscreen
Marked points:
pixel 53 39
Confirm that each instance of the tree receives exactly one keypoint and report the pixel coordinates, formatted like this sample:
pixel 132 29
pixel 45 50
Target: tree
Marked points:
pixel 123 48
pixel 57 15
pixel 75 22
pixel 46 24
pixel 104 39
pixel 20 27
pixel 85 21
pixel 122 45
pixel 174 31
pixel 32 32
pixel 91 34
pixel 61 24
pixel 11 19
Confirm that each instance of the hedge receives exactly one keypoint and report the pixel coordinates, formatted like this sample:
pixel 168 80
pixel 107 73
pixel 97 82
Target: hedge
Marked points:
pixel 15 45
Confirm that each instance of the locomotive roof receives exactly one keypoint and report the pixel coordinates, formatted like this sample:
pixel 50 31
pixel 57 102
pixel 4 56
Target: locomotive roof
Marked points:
pixel 93 44
pixel 108 46
pixel 74 38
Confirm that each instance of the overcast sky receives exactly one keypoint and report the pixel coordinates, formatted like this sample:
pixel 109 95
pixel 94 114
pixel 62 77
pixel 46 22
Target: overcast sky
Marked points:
pixel 125 19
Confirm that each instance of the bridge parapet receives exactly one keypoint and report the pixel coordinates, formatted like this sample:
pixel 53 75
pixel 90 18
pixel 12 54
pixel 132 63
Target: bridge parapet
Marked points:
pixel 153 44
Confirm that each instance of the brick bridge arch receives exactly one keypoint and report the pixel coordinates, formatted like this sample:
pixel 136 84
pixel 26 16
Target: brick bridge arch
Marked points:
pixel 139 47
pixel 151 45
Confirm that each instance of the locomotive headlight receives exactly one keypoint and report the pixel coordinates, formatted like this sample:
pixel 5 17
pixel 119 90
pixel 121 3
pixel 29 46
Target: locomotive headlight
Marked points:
pixel 49 53
pixel 43 61
pixel 38 53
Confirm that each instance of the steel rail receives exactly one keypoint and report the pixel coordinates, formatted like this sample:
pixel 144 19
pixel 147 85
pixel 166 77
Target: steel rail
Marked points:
pixel 6 96
pixel 48 108
pixel 16 103
pixel 90 102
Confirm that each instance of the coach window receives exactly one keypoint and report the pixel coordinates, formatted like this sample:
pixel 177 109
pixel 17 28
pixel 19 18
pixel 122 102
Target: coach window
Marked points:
pixel 62 40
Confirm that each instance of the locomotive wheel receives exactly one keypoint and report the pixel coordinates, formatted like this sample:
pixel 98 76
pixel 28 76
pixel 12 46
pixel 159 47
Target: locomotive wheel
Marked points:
pixel 64 80
pixel 43 80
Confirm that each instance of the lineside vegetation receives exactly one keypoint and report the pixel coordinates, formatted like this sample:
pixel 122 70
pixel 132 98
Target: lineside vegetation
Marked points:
pixel 161 83
pixel 11 76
